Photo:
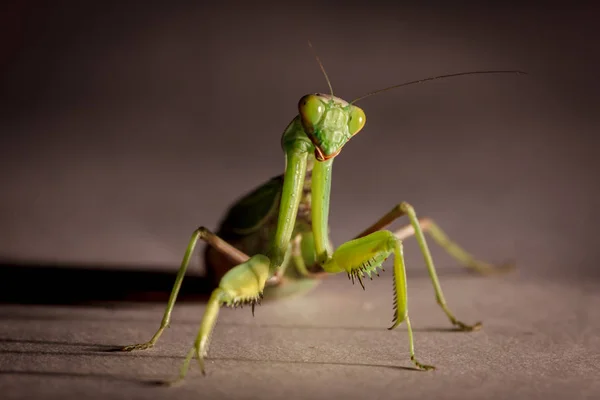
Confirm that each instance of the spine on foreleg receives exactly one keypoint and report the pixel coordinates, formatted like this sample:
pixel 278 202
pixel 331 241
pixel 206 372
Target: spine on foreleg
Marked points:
pixel 362 257
pixel 245 282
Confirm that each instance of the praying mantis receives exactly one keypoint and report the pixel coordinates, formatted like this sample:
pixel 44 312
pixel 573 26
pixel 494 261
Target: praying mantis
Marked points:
pixel 275 241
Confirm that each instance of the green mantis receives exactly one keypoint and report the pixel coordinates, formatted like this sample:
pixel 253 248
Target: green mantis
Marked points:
pixel 275 240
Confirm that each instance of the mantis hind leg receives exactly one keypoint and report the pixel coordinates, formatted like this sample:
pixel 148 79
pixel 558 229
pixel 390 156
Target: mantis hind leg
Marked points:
pixel 417 227
pixel 211 239
pixel 439 236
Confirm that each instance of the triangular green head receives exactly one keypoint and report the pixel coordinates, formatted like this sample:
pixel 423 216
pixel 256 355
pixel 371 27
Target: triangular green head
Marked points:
pixel 329 122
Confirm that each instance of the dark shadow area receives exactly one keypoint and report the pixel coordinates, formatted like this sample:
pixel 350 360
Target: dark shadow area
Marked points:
pixel 92 346
pixel 102 348
pixel 58 374
pixel 114 352
pixel 149 354
pixel 238 359
pixel 158 382
pixel 51 284
pixel 101 285
pixel 153 320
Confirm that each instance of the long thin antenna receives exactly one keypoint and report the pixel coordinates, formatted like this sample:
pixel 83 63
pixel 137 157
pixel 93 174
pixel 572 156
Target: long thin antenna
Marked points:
pixel 322 68
pixel 435 78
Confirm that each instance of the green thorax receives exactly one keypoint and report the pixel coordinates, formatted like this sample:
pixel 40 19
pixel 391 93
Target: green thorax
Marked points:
pixel 251 222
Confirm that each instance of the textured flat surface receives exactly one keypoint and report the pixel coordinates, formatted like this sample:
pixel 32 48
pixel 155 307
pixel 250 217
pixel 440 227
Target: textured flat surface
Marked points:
pixel 540 341
pixel 123 127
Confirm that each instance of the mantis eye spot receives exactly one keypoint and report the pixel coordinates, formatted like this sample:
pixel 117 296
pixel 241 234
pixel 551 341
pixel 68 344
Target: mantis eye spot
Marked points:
pixel 356 121
pixel 311 110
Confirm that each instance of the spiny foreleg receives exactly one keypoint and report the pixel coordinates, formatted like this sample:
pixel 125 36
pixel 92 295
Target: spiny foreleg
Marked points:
pixel 244 284
pixel 362 257
pixel 417 227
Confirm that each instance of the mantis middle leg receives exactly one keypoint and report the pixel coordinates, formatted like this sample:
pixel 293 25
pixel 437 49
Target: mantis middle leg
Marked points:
pixel 417 227
pixel 213 240
pixel 439 236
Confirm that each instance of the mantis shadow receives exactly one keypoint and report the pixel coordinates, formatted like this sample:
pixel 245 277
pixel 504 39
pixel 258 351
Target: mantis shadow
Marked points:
pixel 93 285
pixel 106 285
pixel 240 359
pixel 153 321
pixel 58 374
pixel 160 382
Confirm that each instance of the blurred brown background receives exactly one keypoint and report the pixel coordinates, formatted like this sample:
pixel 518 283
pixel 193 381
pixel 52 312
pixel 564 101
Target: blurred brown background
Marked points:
pixel 126 125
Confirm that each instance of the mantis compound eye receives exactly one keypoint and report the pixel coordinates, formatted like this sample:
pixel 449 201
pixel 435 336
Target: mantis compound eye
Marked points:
pixel 311 111
pixel 356 121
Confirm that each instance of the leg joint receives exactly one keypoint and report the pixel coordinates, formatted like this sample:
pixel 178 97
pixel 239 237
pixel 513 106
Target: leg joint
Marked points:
pixel 406 207
pixel 403 207
pixel 203 232
pixel 394 241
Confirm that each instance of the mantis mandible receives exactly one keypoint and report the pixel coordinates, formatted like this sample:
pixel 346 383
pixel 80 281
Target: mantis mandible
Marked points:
pixel 275 240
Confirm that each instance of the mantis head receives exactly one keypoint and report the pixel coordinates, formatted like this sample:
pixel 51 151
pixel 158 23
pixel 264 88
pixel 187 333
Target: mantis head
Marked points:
pixel 329 122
